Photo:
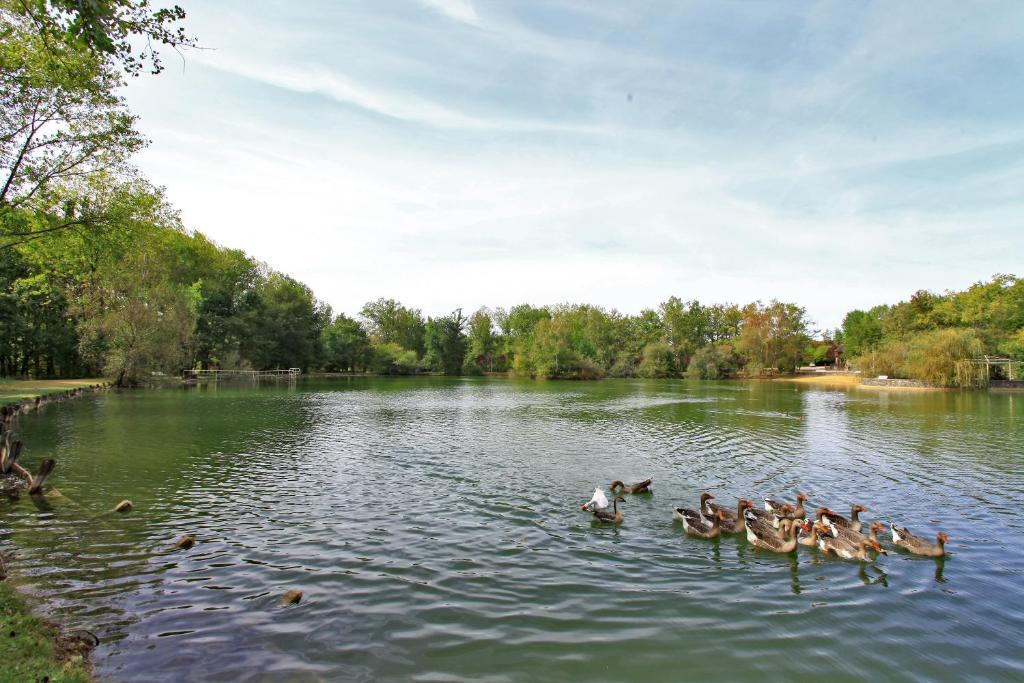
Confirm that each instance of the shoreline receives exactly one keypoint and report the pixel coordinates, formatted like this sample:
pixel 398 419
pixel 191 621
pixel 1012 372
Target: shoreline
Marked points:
pixel 844 380
pixel 35 647
pixel 25 394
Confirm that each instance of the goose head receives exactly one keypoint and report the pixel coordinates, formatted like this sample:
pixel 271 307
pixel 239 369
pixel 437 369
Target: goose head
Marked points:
pixel 801 498
pixel 942 538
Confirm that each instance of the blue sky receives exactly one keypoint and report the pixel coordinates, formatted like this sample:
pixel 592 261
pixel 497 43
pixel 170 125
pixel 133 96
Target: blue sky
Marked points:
pixel 467 152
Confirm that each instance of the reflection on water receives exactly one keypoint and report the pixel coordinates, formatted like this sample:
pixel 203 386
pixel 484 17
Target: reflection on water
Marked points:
pixel 434 527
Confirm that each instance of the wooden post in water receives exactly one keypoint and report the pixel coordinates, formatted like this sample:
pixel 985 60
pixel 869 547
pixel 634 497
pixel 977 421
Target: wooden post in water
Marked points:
pixel 5 446
pixel 45 470
pixel 9 459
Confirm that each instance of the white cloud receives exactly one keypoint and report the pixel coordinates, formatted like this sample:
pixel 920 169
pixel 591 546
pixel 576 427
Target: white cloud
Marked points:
pixel 529 176
pixel 459 10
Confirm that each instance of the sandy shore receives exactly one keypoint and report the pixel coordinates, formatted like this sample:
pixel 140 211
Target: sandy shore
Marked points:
pixel 828 380
pixel 848 381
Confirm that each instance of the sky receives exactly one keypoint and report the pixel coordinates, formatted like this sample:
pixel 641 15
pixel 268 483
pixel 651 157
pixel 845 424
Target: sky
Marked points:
pixel 463 153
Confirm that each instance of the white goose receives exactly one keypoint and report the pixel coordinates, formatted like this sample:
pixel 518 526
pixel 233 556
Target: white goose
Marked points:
pixel 598 502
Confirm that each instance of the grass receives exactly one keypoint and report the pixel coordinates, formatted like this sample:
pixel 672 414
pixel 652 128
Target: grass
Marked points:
pixel 29 647
pixel 12 390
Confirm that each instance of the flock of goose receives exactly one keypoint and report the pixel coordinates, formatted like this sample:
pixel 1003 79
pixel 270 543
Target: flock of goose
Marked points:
pixel 779 527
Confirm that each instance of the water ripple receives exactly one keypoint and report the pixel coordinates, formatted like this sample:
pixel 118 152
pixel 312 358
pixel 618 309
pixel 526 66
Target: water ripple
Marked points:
pixel 433 527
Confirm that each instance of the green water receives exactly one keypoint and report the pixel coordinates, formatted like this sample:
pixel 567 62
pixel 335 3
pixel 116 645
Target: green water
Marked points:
pixel 434 527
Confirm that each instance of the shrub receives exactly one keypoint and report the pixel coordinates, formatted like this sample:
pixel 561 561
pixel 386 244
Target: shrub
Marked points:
pixel 712 362
pixel 658 361
pixel 392 359
pixel 623 367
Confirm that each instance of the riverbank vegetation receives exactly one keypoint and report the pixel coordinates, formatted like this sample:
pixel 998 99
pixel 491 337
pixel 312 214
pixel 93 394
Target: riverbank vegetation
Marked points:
pixel 14 390
pixel 30 648
pixel 934 337
pixel 98 275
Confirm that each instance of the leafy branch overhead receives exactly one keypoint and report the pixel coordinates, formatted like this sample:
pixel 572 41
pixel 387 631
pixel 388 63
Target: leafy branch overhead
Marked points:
pixel 122 31
pixel 61 124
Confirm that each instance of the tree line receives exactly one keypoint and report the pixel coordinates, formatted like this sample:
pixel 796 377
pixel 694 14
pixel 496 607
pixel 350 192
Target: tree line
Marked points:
pixel 99 276
pixel 934 337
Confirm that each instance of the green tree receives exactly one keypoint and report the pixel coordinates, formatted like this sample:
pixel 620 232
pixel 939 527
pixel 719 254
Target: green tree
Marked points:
pixel 61 123
pixel 106 28
pixel 481 343
pixel 389 322
pixel 445 341
pixel 713 362
pixel 658 361
pixel 773 336
pixel 688 327
pixel 346 345
pixel 517 328
pixel 862 331
pixel 391 359
pixel 282 325
pixel 135 319
pixel 943 357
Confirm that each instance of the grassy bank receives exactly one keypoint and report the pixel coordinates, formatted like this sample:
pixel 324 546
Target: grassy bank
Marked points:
pixel 31 649
pixel 12 390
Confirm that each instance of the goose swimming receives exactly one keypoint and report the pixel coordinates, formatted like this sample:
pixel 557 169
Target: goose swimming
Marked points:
pixel 917 545
pixel 599 501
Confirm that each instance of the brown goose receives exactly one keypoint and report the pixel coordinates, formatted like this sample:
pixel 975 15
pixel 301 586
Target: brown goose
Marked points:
pixel 765 536
pixel 853 522
pixel 851 536
pixel 732 522
pixel 918 545
pixel 847 551
pixel 785 511
pixel 698 525
pixel 613 517
pixel 770 522
pixel 639 487
pixel 775 506
pixel 807 535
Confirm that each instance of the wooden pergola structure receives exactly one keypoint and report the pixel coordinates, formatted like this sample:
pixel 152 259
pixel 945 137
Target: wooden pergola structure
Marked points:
pixel 1000 362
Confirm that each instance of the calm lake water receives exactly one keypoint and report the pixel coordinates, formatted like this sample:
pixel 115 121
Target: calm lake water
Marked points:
pixel 433 525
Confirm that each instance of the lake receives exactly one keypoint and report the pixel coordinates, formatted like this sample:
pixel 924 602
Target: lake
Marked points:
pixel 434 527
